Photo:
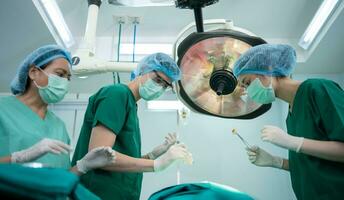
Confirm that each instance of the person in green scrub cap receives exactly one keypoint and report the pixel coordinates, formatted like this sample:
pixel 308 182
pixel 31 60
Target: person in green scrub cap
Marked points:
pixel 29 131
pixel 315 122
pixel 111 120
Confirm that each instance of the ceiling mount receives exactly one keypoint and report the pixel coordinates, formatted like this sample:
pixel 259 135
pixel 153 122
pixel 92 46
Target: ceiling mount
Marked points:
pixel 197 6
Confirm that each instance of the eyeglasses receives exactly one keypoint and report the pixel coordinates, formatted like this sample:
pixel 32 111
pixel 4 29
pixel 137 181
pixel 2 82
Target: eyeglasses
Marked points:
pixel 159 80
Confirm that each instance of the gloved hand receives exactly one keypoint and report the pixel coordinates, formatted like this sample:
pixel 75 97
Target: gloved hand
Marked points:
pixel 96 158
pixel 176 152
pixel 44 146
pixel 280 138
pixel 262 158
pixel 170 140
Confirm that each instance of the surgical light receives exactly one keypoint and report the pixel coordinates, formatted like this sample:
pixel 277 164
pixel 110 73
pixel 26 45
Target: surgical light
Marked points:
pixel 53 18
pixel 321 16
pixel 206 60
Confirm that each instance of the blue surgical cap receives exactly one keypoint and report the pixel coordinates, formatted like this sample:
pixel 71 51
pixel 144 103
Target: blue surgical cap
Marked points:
pixel 40 57
pixel 159 62
pixel 266 59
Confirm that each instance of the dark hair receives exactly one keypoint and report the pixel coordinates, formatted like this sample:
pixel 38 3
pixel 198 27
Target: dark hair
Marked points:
pixel 28 80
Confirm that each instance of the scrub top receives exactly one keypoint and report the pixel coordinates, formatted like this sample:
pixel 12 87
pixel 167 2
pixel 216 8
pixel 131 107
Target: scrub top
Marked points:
pixel 115 108
pixel 21 128
pixel 317 114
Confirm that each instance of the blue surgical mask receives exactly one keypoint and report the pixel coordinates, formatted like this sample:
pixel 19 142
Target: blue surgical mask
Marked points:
pixel 259 93
pixel 150 90
pixel 56 89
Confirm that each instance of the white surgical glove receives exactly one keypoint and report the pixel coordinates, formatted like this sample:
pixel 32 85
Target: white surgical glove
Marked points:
pixel 262 158
pixel 44 146
pixel 175 153
pixel 280 138
pixel 170 140
pixel 96 158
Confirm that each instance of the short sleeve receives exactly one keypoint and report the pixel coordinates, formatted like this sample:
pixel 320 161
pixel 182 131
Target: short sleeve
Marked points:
pixel 329 98
pixel 110 109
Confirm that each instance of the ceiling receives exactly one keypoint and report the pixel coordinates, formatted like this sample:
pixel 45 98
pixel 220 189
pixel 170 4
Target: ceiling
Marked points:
pixel 274 20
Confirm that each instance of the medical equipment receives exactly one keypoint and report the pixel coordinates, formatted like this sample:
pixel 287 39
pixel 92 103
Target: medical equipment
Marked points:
pixel 206 59
pixel 84 60
pixel 235 132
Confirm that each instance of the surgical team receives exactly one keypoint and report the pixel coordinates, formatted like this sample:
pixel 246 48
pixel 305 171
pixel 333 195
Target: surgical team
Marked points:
pixel 108 155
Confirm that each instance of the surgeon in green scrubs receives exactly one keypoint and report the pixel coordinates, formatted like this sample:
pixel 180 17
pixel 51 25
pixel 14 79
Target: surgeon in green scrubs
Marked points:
pixel 29 131
pixel 315 122
pixel 111 120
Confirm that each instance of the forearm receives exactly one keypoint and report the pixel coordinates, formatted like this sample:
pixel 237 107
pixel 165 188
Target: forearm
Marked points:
pixel 6 159
pixel 124 163
pixel 328 150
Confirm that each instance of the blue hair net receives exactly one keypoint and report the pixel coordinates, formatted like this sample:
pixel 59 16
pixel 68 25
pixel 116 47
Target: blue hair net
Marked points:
pixel 266 59
pixel 40 57
pixel 159 62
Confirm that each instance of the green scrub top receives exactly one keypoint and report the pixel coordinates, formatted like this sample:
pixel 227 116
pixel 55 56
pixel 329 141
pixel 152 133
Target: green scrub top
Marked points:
pixel 317 114
pixel 115 108
pixel 21 128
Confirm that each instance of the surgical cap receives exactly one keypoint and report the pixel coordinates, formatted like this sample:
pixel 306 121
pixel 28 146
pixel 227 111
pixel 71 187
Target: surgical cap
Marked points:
pixel 40 57
pixel 266 59
pixel 159 62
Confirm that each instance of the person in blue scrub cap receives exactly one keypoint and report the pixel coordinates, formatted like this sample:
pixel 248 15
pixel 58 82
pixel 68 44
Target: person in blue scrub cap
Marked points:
pixel 315 121
pixel 29 131
pixel 111 120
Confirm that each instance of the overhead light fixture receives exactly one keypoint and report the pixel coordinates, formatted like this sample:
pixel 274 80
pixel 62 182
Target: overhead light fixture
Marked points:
pixel 146 49
pixel 164 105
pixel 323 13
pixel 206 60
pixel 53 18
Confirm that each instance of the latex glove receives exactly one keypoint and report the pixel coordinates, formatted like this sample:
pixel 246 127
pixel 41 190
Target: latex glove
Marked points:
pixel 170 140
pixel 280 138
pixel 96 158
pixel 262 158
pixel 175 153
pixel 44 146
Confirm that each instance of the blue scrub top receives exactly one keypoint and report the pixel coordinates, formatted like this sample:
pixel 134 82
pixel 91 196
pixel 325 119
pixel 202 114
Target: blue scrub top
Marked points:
pixel 20 128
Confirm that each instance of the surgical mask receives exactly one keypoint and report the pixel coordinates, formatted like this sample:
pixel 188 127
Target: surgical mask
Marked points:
pixel 150 90
pixel 259 93
pixel 56 89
